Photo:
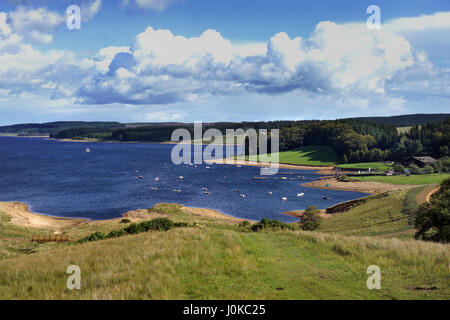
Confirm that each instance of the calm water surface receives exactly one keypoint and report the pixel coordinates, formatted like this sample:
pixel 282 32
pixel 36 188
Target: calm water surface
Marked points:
pixel 61 179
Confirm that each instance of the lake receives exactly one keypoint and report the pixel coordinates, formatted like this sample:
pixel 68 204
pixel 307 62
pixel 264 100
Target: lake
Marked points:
pixel 61 179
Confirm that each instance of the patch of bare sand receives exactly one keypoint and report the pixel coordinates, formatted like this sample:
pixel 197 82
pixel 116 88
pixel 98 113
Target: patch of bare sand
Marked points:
pixel 320 170
pixel 143 214
pixel 209 213
pixel 360 186
pixel 22 216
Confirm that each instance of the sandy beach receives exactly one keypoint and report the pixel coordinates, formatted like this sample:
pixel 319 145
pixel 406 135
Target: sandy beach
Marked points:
pixel 359 186
pixel 209 213
pixel 22 216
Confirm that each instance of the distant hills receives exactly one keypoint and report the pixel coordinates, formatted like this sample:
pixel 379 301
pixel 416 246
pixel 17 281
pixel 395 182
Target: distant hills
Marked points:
pixel 52 128
pixel 408 120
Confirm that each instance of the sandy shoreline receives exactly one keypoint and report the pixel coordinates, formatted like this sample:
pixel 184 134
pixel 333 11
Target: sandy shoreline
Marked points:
pixel 359 186
pixel 21 215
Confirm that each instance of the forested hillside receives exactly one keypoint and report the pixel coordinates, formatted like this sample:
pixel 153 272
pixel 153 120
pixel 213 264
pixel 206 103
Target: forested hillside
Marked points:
pixel 54 127
pixel 408 120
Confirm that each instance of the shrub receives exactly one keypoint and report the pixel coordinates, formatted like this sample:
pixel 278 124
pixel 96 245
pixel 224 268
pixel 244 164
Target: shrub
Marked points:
pixel 245 224
pixel 438 166
pixel 125 221
pixel 311 219
pixel 433 219
pixel 160 224
pixel 414 169
pixel 445 164
pixel 135 228
pixel 117 234
pixel 96 236
pixel 398 168
pixel 271 224
pixel 428 169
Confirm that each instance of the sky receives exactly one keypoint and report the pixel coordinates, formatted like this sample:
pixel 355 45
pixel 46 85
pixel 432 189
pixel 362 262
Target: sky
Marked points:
pixel 221 60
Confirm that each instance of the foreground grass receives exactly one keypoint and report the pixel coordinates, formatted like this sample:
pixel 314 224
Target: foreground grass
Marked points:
pixel 214 259
pixel 435 178
pixel 308 156
pixel 377 166
pixel 194 263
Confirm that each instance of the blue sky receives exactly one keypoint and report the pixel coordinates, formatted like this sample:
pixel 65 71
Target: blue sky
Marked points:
pixel 217 60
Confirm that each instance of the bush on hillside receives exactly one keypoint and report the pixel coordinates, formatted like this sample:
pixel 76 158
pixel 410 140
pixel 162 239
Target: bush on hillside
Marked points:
pixel 414 169
pixel 433 219
pixel 265 224
pixel 159 224
pixel 311 219
pixel 428 169
pixel 398 168
pixel 96 236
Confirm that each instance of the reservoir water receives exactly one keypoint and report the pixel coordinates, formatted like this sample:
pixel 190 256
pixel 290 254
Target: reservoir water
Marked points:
pixel 62 179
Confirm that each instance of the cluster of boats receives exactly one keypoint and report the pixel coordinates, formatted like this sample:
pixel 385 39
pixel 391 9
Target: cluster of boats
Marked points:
pixel 207 192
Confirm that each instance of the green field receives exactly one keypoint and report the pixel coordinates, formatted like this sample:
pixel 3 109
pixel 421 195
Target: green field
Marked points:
pixel 378 166
pixel 434 178
pixel 308 156
pixel 213 259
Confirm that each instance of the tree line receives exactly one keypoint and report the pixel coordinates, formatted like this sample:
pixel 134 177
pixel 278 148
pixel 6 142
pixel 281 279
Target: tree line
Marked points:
pixel 353 140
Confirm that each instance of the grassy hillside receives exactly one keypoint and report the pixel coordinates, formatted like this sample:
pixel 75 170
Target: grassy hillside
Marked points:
pixel 309 156
pixel 435 178
pixel 214 263
pixel 213 259
pixel 380 215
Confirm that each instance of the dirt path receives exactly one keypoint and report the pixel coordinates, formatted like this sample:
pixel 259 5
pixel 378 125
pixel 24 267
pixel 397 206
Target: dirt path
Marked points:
pixel 424 194
pixel 428 197
pixel 360 186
